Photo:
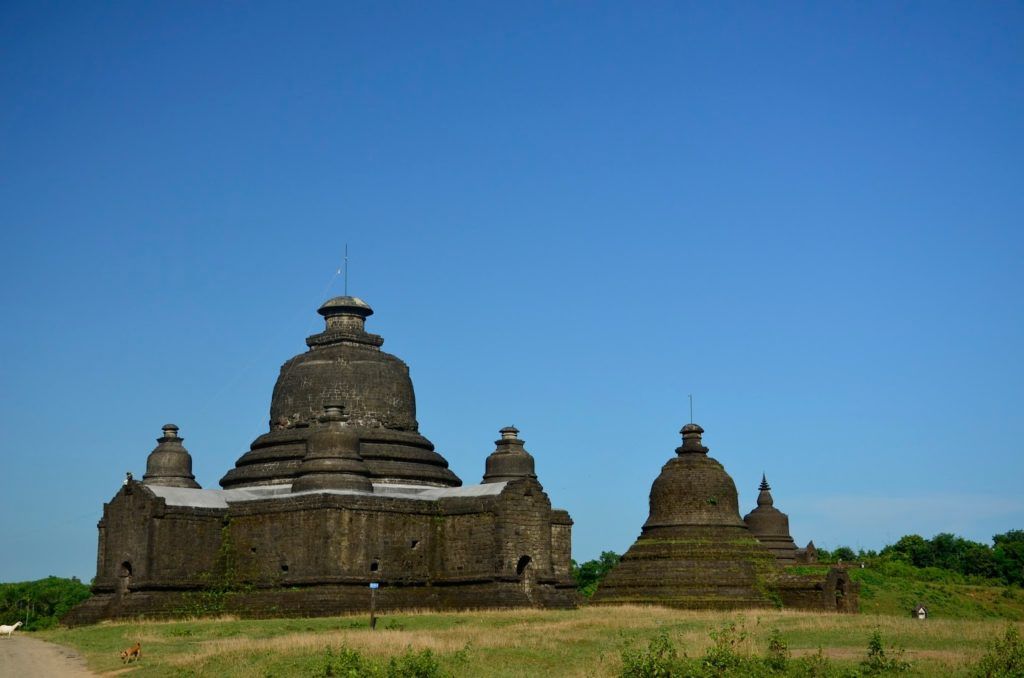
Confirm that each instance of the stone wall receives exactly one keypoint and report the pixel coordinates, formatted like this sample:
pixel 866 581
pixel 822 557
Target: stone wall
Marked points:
pixel 316 554
pixel 832 592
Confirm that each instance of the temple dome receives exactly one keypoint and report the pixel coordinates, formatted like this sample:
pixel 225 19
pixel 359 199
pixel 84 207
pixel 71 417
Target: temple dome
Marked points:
pixel 510 460
pixel 693 551
pixel 692 489
pixel 344 363
pixel 169 464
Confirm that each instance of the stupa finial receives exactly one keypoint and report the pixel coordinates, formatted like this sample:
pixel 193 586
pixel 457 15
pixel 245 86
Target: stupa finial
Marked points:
pixel 692 440
pixel 764 497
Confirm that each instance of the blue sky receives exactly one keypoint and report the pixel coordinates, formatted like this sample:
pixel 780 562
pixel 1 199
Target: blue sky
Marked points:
pixel 567 216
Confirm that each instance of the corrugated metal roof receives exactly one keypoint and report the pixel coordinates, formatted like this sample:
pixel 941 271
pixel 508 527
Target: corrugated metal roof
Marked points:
pixel 183 496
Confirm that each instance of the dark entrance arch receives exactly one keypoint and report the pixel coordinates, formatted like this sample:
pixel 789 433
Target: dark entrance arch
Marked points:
pixel 124 576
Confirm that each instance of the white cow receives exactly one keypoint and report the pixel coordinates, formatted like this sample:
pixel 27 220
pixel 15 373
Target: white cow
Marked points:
pixel 8 630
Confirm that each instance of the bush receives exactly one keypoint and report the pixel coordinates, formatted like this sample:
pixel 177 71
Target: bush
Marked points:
pixel 659 660
pixel 816 665
pixel 349 663
pixel 777 658
pixel 878 662
pixel 346 664
pixel 423 664
pixel 723 656
pixel 1004 659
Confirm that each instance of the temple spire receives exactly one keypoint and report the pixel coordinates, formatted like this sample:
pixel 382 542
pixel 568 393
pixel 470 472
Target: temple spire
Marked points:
pixel 764 498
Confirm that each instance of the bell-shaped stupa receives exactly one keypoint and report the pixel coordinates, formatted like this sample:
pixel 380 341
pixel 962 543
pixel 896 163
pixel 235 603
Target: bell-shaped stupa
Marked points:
pixel 332 460
pixel 771 526
pixel 694 550
pixel 344 363
pixel 170 464
pixel 510 460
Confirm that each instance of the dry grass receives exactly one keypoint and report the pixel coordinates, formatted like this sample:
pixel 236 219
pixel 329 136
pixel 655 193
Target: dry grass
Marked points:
pixel 587 641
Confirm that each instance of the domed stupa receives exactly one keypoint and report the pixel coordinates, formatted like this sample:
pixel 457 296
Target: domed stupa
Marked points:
pixel 170 464
pixel 510 460
pixel 771 526
pixel 694 550
pixel 344 364
pixel 340 503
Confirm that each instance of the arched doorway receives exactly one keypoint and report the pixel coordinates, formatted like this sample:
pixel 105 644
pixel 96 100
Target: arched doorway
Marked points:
pixel 840 593
pixel 527 575
pixel 124 577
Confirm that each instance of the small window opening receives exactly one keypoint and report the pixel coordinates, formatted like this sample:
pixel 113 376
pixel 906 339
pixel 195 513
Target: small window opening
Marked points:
pixel 521 566
pixel 414 543
pixel 374 566
pixel 126 569
pixel 284 567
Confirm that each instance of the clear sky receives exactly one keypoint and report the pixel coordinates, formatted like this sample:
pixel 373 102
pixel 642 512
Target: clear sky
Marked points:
pixel 567 216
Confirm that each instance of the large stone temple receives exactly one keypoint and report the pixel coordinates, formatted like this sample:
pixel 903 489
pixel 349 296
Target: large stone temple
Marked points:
pixel 695 551
pixel 342 492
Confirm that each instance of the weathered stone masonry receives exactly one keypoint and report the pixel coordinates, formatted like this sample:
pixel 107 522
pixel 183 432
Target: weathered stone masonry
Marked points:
pixel 342 491
pixel 695 552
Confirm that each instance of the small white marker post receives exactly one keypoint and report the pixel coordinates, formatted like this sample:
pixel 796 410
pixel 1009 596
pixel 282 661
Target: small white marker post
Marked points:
pixel 373 604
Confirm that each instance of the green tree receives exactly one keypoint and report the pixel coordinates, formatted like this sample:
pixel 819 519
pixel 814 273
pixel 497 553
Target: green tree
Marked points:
pixel 589 574
pixel 912 549
pixel 40 604
pixel 1009 555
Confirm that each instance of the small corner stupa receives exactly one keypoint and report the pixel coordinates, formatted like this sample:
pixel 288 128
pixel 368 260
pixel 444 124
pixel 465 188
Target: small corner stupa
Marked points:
pixel 771 526
pixel 694 550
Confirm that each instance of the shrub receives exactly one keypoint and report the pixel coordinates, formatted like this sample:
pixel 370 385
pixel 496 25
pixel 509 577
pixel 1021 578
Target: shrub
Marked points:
pixel 815 665
pixel 1004 659
pixel 348 663
pixel 659 660
pixel 423 664
pixel 723 656
pixel 777 657
pixel 878 662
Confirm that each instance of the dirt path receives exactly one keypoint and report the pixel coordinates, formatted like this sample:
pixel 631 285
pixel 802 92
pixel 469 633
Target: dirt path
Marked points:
pixel 25 657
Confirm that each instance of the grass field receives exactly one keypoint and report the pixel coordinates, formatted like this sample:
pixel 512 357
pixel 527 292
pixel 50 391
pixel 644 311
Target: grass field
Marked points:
pixel 584 642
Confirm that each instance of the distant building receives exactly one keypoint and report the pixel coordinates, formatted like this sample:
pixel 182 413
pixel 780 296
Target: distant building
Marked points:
pixel 694 551
pixel 919 612
pixel 808 555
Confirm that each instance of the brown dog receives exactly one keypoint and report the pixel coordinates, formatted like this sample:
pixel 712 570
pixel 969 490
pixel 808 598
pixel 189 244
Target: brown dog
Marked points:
pixel 133 653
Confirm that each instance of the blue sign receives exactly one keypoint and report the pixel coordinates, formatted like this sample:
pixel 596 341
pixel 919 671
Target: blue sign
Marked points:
pixel 374 585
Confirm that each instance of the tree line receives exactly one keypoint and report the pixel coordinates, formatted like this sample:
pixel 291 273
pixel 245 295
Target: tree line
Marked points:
pixel 1002 561
pixel 40 604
